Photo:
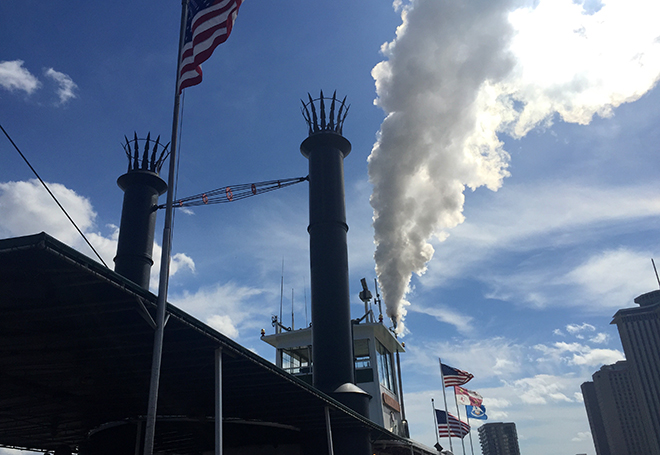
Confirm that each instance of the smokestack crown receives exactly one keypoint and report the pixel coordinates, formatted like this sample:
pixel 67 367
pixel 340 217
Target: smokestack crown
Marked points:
pixel 142 186
pixel 318 121
pixel 153 163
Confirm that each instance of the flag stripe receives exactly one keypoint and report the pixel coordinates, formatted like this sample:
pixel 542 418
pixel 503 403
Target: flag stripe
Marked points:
pixel 209 24
pixel 454 376
pixel 454 428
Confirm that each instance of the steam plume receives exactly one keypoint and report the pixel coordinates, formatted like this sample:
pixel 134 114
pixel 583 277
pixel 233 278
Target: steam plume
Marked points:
pixel 460 73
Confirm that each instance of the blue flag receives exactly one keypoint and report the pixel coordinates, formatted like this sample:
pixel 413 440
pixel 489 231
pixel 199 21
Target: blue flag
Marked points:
pixel 476 412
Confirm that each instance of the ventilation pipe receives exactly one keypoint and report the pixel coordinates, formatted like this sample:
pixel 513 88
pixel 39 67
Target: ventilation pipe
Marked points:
pixel 142 186
pixel 332 341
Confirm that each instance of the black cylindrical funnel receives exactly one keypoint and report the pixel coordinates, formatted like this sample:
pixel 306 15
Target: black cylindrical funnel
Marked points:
pixel 142 186
pixel 332 346
pixel 332 340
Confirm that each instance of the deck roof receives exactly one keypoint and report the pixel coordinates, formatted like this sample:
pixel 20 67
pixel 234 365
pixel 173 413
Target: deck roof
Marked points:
pixel 75 357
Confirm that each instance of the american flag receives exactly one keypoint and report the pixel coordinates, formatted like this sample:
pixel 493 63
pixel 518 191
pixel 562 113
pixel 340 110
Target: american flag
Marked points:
pixel 208 25
pixel 449 426
pixel 454 376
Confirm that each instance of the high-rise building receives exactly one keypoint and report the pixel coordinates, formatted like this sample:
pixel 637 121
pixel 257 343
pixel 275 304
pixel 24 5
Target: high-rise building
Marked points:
pixel 639 329
pixel 595 416
pixel 499 438
pixel 617 425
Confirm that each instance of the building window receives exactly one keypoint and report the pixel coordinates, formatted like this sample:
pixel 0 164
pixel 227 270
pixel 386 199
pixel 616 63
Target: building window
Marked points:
pixel 363 370
pixel 361 353
pixel 297 360
pixel 385 367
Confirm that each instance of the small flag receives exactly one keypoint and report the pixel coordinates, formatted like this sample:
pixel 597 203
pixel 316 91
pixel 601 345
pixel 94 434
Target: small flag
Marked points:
pixel 468 397
pixel 454 376
pixel 209 25
pixel 476 412
pixel 449 426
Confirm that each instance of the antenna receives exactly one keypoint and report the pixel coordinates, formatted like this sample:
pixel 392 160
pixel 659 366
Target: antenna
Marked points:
pixel 656 272
pixel 292 326
pixel 281 291
pixel 365 296
pixel 305 293
pixel 380 310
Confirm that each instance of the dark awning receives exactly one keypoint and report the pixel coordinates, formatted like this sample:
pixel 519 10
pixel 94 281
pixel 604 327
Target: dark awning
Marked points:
pixel 75 358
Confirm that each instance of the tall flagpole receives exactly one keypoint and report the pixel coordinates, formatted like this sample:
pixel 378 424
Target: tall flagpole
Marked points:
pixel 150 429
pixel 435 419
pixel 467 416
pixel 444 394
pixel 458 413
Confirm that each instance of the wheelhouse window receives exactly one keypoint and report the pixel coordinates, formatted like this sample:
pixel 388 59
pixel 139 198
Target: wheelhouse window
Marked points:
pixel 361 353
pixel 385 367
pixel 297 360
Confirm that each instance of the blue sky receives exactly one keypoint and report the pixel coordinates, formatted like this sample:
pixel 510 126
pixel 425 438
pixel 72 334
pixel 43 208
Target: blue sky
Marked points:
pixel 520 145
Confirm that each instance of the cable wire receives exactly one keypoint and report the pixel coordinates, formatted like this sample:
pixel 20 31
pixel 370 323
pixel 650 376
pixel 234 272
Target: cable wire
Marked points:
pixel 53 196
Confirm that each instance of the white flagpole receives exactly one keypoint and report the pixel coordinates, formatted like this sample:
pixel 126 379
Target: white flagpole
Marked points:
pixel 150 430
pixel 444 394
pixel 458 413
pixel 435 419
pixel 468 422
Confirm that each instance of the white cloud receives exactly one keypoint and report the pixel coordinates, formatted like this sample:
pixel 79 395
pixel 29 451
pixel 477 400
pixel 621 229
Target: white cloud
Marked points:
pixel 223 324
pixel 13 76
pixel 178 262
pixel 542 388
pixel 229 307
pixel 487 358
pixel 27 208
pixel 575 329
pixel 600 338
pixel 462 322
pixel 67 87
pixel 578 354
pixel 551 213
pixel 537 220
pixel 593 63
pixel 582 436
pixel 612 277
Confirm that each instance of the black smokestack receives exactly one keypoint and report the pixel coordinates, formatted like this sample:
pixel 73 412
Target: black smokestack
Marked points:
pixel 141 186
pixel 326 148
pixel 332 340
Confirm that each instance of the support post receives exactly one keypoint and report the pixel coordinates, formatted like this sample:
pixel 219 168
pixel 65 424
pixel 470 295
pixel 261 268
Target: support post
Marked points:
pixel 328 429
pixel 218 401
